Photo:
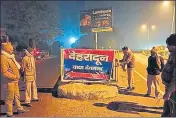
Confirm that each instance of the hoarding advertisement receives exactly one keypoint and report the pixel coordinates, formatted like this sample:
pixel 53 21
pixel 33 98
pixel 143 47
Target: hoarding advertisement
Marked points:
pixel 87 65
pixel 85 21
pixel 96 20
pixel 102 20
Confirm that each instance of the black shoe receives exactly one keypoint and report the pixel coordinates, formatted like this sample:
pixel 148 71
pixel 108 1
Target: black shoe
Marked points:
pixel 147 95
pixel 133 88
pixel 37 100
pixel 20 111
pixel 129 88
pixel 28 105
pixel 9 115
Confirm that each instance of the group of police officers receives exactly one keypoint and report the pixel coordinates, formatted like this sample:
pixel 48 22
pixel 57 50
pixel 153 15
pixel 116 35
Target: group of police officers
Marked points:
pixel 11 73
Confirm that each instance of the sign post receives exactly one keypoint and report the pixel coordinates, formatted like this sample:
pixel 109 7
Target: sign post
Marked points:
pixel 96 40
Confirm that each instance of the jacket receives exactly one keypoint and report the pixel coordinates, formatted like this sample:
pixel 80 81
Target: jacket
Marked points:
pixel 153 67
pixel 128 59
pixel 28 67
pixel 169 74
pixel 9 68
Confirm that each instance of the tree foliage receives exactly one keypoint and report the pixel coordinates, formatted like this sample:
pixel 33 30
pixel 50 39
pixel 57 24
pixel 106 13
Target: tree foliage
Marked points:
pixel 28 19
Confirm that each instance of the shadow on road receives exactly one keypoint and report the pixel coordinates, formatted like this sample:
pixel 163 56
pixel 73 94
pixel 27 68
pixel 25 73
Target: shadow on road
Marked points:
pixel 125 92
pixel 3 114
pixel 129 107
pixel 2 102
pixel 51 90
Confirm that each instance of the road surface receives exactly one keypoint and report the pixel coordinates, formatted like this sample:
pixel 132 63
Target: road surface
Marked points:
pixel 125 104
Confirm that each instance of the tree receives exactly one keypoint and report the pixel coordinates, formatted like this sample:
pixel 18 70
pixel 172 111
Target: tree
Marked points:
pixel 28 19
pixel 56 48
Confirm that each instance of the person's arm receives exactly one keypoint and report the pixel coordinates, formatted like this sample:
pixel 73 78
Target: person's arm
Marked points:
pixel 148 65
pixel 162 63
pixel 23 65
pixel 5 71
pixel 129 58
pixel 172 85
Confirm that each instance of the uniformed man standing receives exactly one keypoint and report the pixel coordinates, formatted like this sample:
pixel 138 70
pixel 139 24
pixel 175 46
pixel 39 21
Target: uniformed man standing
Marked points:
pixel 169 79
pixel 129 60
pixel 10 78
pixel 29 69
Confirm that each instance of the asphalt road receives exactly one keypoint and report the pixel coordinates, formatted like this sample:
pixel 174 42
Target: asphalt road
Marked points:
pixel 47 76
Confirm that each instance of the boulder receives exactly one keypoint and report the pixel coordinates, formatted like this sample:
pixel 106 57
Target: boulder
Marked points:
pixel 87 92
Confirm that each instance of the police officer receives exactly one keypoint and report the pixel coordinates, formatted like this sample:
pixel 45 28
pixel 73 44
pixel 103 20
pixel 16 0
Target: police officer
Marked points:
pixel 10 78
pixel 169 79
pixel 129 60
pixel 29 69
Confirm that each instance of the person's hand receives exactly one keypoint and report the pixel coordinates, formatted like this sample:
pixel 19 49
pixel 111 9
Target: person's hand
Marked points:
pixel 17 78
pixel 123 68
pixel 117 64
pixel 166 96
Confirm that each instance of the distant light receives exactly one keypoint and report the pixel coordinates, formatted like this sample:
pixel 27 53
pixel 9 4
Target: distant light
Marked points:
pixel 153 27
pixel 166 3
pixel 144 26
pixel 72 40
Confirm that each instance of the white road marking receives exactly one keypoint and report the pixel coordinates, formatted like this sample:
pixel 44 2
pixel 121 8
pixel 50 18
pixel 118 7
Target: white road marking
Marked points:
pixel 146 80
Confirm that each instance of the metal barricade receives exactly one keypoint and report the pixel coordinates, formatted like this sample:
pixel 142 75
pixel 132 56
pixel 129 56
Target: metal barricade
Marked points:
pixel 115 66
pixel 61 63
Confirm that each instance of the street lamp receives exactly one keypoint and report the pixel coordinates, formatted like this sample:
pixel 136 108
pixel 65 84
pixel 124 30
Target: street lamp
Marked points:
pixel 72 40
pixel 148 28
pixel 166 3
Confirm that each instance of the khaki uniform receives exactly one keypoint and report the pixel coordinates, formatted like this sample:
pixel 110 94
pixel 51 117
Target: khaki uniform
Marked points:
pixel 129 60
pixel 155 80
pixel 10 77
pixel 169 80
pixel 28 66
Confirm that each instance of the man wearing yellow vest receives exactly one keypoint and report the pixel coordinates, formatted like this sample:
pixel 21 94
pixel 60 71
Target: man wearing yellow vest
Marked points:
pixel 10 77
pixel 29 69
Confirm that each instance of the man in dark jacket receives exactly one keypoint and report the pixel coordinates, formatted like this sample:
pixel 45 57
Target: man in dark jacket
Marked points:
pixel 155 66
pixel 169 79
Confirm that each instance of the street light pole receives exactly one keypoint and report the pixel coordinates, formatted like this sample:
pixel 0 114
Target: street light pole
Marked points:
pixel 166 3
pixel 173 21
pixel 148 35
pixel 96 40
pixel 148 28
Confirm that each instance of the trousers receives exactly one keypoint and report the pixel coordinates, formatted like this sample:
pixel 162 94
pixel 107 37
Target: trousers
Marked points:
pixel 30 91
pixel 12 94
pixel 130 73
pixel 155 80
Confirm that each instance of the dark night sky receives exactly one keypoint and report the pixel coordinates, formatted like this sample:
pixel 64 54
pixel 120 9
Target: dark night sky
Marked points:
pixel 128 16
